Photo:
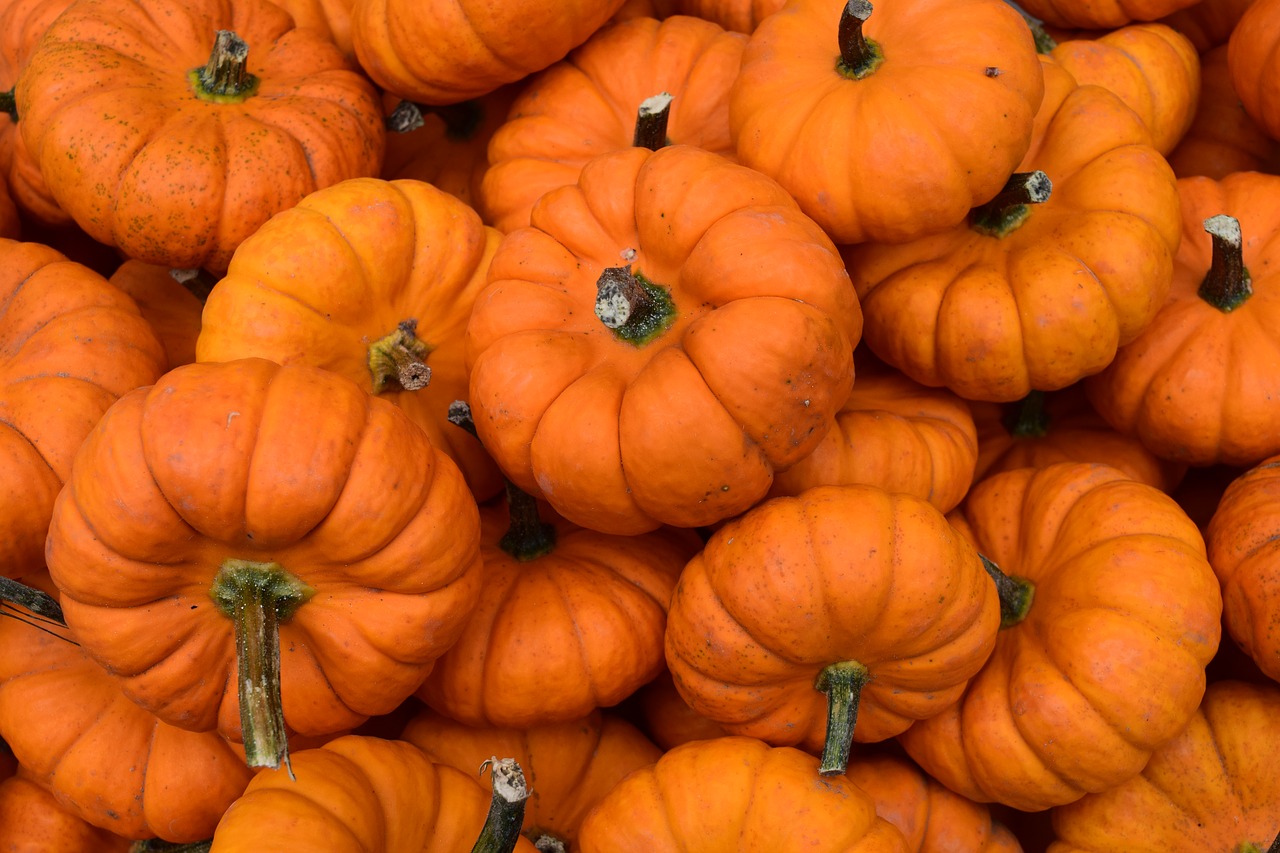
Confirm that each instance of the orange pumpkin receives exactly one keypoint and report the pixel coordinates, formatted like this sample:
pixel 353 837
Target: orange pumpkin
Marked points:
pixel 740 16
pixel 894 433
pixel 9 224
pixel 1244 549
pixel 71 344
pixel 569 766
pixel 373 280
pixel 331 17
pixel 170 143
pixel 1103 659
pixel 1207 24
pixel 1043 283
pixel 242 504
pixel 667 719
pixel 172 309
pixel 1153 68
pixel 888 127
pixel 586 105
pixel 762 799
pixel 569 619
pixel 1222 138
pixel 1198 386
pixel 357 794
pixel 475 46
pixel 105 759
pixel 1253 55
pixel 1210 788
pixel 794 626
pixel 31 821
pixel 1101 14
pixel 665 416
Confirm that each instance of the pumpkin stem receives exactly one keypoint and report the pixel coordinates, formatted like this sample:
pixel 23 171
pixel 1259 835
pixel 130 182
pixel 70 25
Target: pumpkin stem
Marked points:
pixel 405 118
pixel 8 104
pixel 1029 420
pixel 225 78
pixel 461 120
pixel 1251 847
pixel 843 683
pixel 859 55
pixel 635 308
pixel 156 845
pixel 1045 43
pixel 459 415
pixel 1227 284
pixel 257 597
pixel 506 810
pixel 198 282
pixel 528 537
pixel 1012 205
pixel 400 357
pixel 37 601
pixel 546 843
pixel 1016 594
pixel 651 122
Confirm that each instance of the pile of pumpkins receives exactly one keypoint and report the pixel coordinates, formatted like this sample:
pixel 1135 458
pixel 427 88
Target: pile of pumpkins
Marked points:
pixel 588 425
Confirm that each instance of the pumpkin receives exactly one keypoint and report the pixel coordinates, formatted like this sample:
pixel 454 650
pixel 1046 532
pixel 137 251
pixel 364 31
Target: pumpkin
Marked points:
pixel 171 308
pixel 764 799
pixel 297 564
pixel 799 628
pixel 31 821
pixel 569 766
pixel 608 372
pixel 864 129
pixel 10 227
pixel 1111 613
pixel 931 818
pixel 331 17
pixel 1253 55
pixel 740 16
pixel 1153 68
pixel 1222 138
pixel 1207 25
pixel 1244 550
pixel 894 433
pixel 476 46
pixel 569 619
pixel 586 104
pixel 1198 385
pixel 373 280
pixel 22 24
pixel 217 115
pixel 357 794
pixel 446 146
pixel 106 760
pixel 1101 14
pixel 1210 788
pixel 1044 282
pixel 1043 429
pixel 666 718
pixel 72 345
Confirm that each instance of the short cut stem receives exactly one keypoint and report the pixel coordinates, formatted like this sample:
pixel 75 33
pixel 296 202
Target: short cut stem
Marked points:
pixel 636 309
pixel 400 357
pixel 501 829
pixel 225 78
pixel 1011 206
pixel 651 122
pixel 843 683
pixel 1227 284
pixel 859 55
pixel 1016 594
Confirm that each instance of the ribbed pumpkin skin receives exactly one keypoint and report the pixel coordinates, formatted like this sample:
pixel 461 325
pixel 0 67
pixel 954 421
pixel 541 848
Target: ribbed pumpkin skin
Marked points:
pixel 553 638
pixel 1198 386
pixel 764 800
pixel 993 317
pixel 740 16
pixel 586 105
pixel 1153 68
pixel 357 794
pixel 70 345
pixel 569 766
pixel 172 311
pixel 322 281
pixel 688 428
pixel 1244 549
pixel 905 166
pixel 22 23
pixel 667 719
pixel 1208 25
pixel 476 45
pixel 793 586
pixel 294 465
pixel 894 433
pixel 107 760
pixel 930 817
pixel 1108 664
pixel 170 178
pixel 32 822
pixel 1101 14
pixel 1211 788
pixel 1253 53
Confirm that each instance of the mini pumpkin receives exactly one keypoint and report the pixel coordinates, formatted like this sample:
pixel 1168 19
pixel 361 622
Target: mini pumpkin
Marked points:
pixel 1253 54
pixel 32 821
pixel 169 306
